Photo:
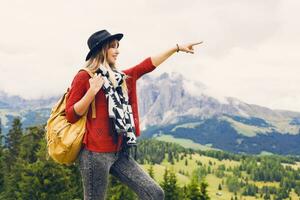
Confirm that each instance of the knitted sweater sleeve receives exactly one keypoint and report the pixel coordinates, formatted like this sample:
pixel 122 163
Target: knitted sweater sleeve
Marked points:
pixel 140 69
pixel 78 89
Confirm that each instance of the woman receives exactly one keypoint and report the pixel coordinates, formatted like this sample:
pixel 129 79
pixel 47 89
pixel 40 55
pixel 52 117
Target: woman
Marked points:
pixel 116 124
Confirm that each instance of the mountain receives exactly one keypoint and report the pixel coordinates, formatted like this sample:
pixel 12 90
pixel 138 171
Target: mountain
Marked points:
pixel 170 97
pixel 17 102
pixel 32 112
pixel 170 104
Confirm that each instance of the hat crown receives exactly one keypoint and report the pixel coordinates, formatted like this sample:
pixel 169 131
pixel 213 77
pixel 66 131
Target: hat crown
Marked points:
pixel 97 37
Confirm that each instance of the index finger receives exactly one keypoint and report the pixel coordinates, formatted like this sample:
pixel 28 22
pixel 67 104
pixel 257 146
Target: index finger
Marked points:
pixel 197 43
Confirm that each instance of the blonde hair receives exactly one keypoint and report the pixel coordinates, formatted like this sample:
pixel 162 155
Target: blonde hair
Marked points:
pixel 101 58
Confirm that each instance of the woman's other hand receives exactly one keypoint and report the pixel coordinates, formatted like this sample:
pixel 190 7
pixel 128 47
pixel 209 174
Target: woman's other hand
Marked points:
pixel 96 83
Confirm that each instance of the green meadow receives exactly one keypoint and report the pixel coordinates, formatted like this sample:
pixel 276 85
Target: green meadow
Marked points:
pixel 212 180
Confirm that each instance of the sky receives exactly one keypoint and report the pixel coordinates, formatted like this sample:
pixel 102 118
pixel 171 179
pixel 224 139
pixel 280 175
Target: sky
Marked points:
pixel 250 48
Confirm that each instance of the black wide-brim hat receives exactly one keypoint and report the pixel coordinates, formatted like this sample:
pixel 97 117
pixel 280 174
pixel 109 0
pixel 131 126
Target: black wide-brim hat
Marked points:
pixel 96 41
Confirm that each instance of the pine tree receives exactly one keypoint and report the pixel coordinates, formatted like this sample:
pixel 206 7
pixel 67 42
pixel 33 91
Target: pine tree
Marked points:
pixel 220 187
pixel 233 183
pixel 169 185
pixel 1 140
pixel 203 189
pixel 197 190
pixel 1 159
pixel 209 170
pixel 282 194
pixel 170 157
pixel 30 143
pixel 173 185
pixel 184 193
pixel 34 177
pixel 151 171
pixel 165 184
pixel 194 192
pixel 267 196
pixel 199 173
pixel 297 188
pixel 1 136
pixel 12 142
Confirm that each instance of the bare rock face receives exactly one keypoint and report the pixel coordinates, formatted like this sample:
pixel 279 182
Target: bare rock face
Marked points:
pixel 169 97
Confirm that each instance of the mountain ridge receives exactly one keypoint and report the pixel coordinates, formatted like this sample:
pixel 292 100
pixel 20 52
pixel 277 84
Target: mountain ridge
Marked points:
pixel 170 100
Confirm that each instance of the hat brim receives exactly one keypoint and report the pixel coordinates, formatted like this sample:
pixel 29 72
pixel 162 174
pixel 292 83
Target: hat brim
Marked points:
pixel 117 36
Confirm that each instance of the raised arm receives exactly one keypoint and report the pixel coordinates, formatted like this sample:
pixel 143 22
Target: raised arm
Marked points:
pixel 150 63
pixel 159 58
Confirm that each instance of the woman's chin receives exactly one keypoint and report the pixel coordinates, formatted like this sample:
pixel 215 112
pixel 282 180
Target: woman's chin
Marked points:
pixel 112 62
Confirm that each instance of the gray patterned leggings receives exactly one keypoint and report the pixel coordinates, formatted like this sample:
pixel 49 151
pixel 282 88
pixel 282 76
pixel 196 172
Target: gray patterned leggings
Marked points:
pixel 96 166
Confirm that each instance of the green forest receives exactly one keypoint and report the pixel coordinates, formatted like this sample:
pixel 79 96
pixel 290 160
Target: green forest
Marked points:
pixel 183 173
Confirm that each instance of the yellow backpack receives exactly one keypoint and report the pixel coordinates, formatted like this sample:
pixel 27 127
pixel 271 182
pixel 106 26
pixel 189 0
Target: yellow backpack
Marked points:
pixel 64 139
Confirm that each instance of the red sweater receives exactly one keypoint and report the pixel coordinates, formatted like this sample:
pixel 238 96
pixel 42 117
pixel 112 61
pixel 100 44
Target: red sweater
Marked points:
pixel 97 137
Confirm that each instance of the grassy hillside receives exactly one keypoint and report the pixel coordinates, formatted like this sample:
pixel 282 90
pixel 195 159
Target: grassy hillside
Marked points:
pixel 212 180
pixel 26 173
pixel 183 142
pixel 234 134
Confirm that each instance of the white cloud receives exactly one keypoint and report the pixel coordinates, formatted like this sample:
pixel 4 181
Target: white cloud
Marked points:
pixel 250 48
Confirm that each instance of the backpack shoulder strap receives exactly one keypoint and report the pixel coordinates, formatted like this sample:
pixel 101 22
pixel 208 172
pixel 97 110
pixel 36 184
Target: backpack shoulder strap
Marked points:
pixel 88 71
pixel 93 102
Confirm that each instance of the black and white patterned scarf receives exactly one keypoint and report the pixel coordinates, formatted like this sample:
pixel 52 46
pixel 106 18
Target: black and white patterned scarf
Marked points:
pixel 119 109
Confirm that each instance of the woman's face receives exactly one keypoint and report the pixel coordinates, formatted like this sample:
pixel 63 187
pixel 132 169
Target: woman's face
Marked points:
pixel 112 52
